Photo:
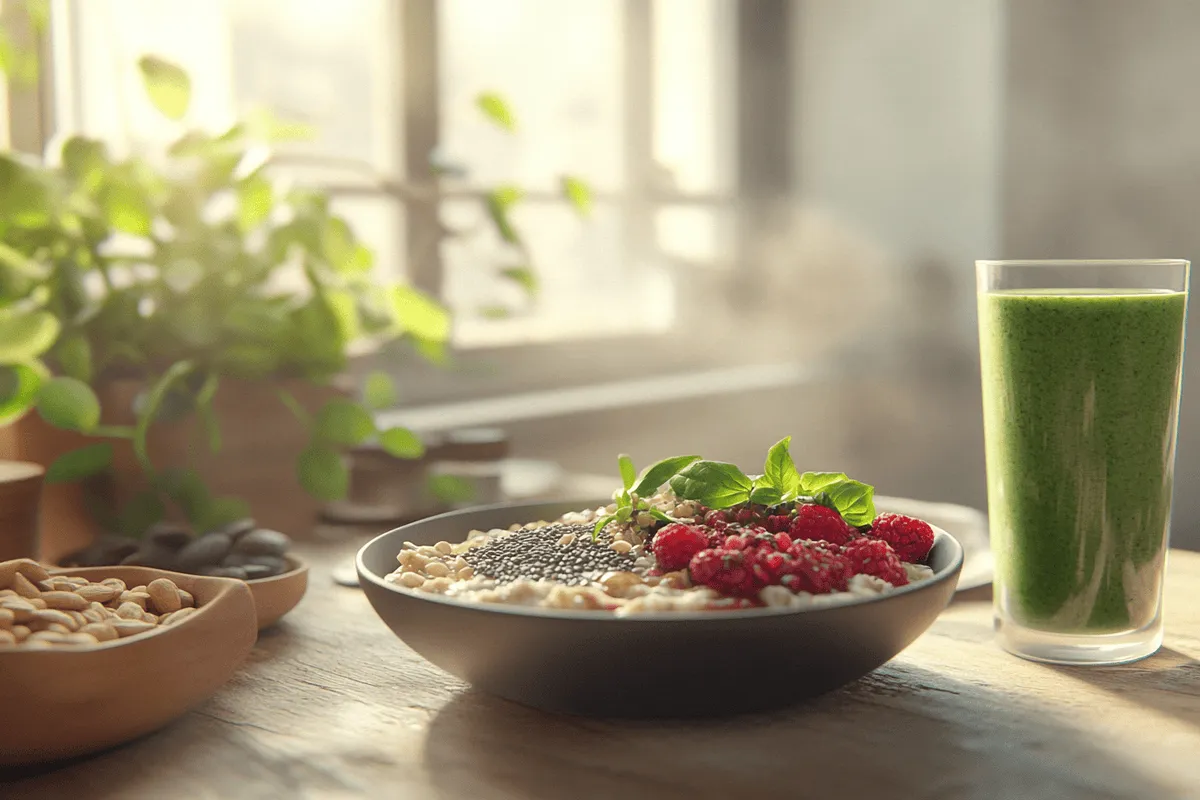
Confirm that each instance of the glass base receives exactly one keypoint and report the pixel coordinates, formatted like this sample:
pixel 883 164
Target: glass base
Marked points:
pixel 1079 649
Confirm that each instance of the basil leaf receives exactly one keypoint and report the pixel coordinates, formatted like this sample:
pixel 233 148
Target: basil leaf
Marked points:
pixel 780 470
pixel 715 484
pixel 654 512
pixel 623 513
pixel 628 473
pixel 600 523
pixel 855 501
pixel 765 495
pixel 656 475
pixel 813 482
pixel 822 499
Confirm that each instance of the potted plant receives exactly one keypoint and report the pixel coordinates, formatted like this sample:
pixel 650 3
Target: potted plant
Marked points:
pixel 181 323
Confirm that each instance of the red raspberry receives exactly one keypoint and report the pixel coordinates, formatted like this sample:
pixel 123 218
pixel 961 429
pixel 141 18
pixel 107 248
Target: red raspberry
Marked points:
pixel 717 537
pixel 816 571
pixel 728 572
pixel 737 541
pixel 675 545
pixel 783 541
pixel 911 538
pixel 821 522
pixel 746 516
pixel 777 523
pixel 875 557
pixel 776 565
pixel 716 519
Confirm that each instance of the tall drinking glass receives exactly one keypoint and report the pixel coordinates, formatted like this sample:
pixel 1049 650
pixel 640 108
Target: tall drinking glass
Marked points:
pixel 1082 363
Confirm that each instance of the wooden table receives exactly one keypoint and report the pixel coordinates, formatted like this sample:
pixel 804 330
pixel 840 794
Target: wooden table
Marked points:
pixel 332 705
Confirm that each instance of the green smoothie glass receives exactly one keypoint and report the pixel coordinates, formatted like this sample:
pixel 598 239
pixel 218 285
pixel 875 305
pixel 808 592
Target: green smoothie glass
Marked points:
pixel 1082 363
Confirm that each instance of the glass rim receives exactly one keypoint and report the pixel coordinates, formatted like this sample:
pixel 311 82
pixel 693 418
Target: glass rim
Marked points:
pixel 1084 262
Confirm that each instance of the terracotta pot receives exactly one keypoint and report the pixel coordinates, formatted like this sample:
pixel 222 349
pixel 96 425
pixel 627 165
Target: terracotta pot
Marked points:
pixel 20 498
pixel 261 441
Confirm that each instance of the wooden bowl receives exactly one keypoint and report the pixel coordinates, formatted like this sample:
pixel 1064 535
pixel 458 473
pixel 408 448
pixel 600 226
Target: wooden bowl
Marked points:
pixel 279 594
pixel 61 703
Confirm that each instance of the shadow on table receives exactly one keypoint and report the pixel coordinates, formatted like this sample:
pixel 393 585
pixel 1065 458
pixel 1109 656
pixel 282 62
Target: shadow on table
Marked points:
pixel 1168 682
pixel 899 731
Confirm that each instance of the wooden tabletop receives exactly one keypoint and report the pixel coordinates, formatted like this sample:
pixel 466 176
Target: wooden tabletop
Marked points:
pixel 332 705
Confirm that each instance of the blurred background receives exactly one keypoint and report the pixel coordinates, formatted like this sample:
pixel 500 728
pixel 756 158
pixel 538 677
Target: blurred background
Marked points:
pixel 787 196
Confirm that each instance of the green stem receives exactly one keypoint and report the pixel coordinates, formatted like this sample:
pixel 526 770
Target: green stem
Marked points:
pixel 150 410
pixel 294 406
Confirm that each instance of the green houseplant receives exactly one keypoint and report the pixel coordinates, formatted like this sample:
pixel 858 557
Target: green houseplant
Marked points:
pixel 187 272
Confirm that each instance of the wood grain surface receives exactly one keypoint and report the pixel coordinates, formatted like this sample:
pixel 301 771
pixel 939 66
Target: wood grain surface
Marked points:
pixel 332 705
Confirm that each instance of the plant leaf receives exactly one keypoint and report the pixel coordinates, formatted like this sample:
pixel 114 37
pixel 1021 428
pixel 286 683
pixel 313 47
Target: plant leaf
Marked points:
pixel 813 482
pixel 81 463
pixel 69 404
pixel 715 484
pixel 765 495
pixel 579 193
pixel 167 85
pixel 780 470
pixel 496 109
pixel 344 422
pixel 254 196
pixel 142 511
pixel 208 415
pixel 628 473
pixel 498 202
pixel 148 412
pixel 380 390
pixel 451 489
pixel 25 335
pixel 74 355
pixel 420 315
pixel 600 523
pixel 401 443
pixel 19 385
pixel 187 490
pixel 126 208
pixel 523 277
pixel 323 473
pixel 854 500
pixel 655 475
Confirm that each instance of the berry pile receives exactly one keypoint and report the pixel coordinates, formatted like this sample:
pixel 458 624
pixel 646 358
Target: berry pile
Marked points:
pixel 809 548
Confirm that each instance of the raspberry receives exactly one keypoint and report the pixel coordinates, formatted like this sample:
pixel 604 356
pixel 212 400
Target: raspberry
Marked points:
pixel 745 516
pixel 717 537
pixel 816 571
pixel 728 572
pixel 737 541
pixel 675 545
pixel 911 538
pixel 783 541
pixel 778 523
pixel 820 522
pixel 875 557
pixel 716 519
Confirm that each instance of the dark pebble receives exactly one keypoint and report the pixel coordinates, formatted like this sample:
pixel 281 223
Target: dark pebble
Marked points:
pixel 275 564
pixel 103 552
pixel 256 571
pixel 218 571
pixel 152 555
pixel 237 528
pixel 208 550
pixel 263 542
pixel 169 536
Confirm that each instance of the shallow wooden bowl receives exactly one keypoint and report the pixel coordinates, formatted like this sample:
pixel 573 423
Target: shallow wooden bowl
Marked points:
pixel 647 665
pixel 60 703
pixel 279 594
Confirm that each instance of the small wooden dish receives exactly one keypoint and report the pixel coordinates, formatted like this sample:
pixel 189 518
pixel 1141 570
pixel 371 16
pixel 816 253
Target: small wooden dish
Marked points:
pixel 61 703
pixel 279 594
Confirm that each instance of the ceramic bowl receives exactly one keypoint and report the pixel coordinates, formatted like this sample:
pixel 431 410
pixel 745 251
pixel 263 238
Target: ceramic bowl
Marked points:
pixel 279 594
pixel 60 703
pixel 649 665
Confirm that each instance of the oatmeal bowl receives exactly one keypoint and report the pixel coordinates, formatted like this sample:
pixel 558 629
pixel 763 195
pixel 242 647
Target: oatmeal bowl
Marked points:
pixel 698 591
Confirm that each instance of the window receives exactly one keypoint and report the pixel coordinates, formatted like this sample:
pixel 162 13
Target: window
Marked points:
pixel 629 95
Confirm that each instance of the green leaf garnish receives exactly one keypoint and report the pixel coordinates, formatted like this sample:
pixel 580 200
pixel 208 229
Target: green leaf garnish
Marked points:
pixel 655 475
pixel 780 470
pixel 765 495
pixel 715 484
pixel 628 473
pixel 854 500
pixel 813 482
pixel 600 523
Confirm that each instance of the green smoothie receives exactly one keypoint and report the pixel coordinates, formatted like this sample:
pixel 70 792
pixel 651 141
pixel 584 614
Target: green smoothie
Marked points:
pixel 1080 393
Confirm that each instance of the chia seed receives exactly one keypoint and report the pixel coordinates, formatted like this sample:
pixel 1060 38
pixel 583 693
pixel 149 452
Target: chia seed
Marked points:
pixel 535 554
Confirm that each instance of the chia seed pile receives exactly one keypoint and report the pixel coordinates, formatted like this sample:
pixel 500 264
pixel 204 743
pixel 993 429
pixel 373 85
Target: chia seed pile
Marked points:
pixel 535 554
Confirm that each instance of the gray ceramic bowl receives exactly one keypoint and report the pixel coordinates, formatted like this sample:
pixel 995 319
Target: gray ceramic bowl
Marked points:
pixel 651 665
